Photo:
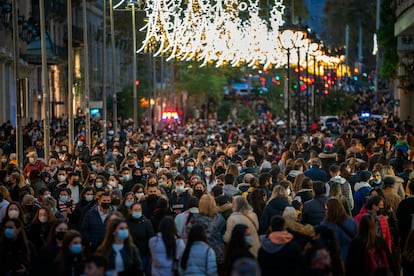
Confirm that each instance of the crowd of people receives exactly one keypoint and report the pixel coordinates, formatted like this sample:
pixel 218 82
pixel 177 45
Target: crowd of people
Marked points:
pixel 210 199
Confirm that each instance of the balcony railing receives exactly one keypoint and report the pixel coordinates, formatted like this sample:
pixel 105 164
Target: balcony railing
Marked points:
pixel 402 5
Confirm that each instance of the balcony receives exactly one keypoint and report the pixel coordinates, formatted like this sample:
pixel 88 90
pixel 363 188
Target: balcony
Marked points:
pixel 402 5
pixel 404 11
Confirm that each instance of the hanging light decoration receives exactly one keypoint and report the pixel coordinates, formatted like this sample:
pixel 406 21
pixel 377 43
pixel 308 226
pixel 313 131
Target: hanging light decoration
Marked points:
pixel 220 32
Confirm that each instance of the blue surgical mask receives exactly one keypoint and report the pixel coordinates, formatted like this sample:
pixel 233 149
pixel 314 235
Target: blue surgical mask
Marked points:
pixel 80 143
pixel 9 233
pixel 125 177
pixel 249 239
pixel 76 248
pixel 94 167
pixel 123 234
pixel 136 215
pixel 180 189
pixel 190 169
pixel 157 164
pixel 111 170
pixel 63 198
pixel 174 172
pixel 128 204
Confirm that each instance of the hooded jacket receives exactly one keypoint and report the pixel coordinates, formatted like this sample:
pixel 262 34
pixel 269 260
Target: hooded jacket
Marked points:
pixel 279 253
pixel 361 193
pixel 345 188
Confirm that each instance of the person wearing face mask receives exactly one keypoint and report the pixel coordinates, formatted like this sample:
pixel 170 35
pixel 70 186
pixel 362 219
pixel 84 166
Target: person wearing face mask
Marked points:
pixel 238 248
pixel 65 204
pixel 85 203
pixel 82 150
pixel 41 225
pixel 116 196
pixel 180 195
pixel 126 180
pixel 75 186
pixel 189 169
pixel 166 185
pixel 375 207
pixel 69 261
pixel 141 231
pixel 127 201
pixel 14 211
pixel 97 167
pixel 48 253
pixel 60 182
pixel 243 214
pixel 120 251
pixel 94 223
pixel 33 164
pixel 13 243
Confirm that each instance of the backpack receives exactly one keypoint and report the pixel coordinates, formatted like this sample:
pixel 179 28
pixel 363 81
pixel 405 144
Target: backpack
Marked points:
pixel 376 262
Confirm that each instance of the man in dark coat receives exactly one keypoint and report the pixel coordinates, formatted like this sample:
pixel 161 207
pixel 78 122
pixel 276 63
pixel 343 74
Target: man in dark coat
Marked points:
pixel 314 210
pixel 279 253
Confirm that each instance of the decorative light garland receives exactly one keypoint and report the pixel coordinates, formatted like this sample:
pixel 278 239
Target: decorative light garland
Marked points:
pixel 216 32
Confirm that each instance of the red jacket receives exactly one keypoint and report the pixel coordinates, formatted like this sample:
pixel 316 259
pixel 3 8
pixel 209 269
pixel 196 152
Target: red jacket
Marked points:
pixel 383 224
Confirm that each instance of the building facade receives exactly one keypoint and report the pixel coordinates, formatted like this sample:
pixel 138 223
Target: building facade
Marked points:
pixel 404 31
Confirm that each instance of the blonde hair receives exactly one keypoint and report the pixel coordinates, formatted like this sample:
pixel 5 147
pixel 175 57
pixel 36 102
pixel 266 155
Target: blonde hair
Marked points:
pixel 279 191
pixel 207 206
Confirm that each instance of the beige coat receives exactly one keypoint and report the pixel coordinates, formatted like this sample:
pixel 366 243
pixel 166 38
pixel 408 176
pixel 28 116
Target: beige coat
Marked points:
pixel 251 221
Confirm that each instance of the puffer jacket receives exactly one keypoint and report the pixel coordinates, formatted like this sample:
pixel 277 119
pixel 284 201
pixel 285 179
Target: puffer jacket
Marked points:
pixel 161 265
pixel 274 207
pixel 201 260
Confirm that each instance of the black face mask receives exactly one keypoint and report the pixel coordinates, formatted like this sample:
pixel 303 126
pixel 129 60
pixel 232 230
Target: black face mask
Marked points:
pixel 116 201
pixel 198 193
pixel 59 235
pixel 29 207
pixel 152 198
pixel 75 183
pixel 105 205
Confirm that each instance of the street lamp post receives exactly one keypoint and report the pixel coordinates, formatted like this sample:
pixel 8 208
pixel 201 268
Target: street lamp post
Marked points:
pixel 19 111
pixel 114 98
pixel 134 64
pixel 71 122
pixel 86 92
pixel 298 97
pixel 287 41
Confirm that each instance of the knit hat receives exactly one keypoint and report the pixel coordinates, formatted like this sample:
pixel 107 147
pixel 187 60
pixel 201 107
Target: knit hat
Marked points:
pixel 117 193
pixel 365 175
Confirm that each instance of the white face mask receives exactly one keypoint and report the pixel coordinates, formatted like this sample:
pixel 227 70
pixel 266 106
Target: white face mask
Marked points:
pixel 13 214
pixel 112 183
pixel 43 219
pixel 32 160
pixel 208 173
pixel 61 178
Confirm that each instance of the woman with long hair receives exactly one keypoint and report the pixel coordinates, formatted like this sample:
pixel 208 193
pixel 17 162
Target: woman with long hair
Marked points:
pixel 344 226
pixel 48 253
pixel 119 249
pixel 41 224
pixel 336 191
pixel 69 260
pixel 275 206
pixel 243 214
pixel 238 246
pixel 198 257
pixel 16 251
pixel 127 201
pixel 368 252
pixel 214 224
pixel 141 231
pixel 257 200
pixel 166 249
